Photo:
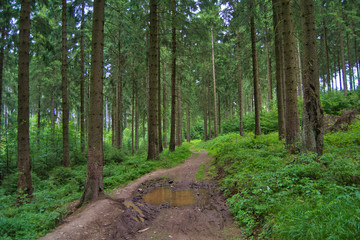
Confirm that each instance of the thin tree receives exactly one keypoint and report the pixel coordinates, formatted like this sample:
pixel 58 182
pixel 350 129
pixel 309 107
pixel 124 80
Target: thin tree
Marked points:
pixel 153 141
pixel 292 126
pixel 240 97
pixel 278 74
pixel 214 82
pixel 82 80
pixel 173 79
pixel 24 184
pixel 65 104
pixel 257 95
pixel 2 48
pixel 164 105
pixel 94 180
pixel 312 114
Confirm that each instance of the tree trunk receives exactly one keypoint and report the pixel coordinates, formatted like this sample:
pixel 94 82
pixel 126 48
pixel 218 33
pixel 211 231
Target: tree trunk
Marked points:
pixel 312 114
pixel 188 137
pixel 352 86
pixel 240 103
pixel 299 69
pixel 173 79
pixel 214 83
pixel 153 130
pixel 164 106
pixel 82 81
pixel 159 88
pixel 24 184
pixel 268 64
pixel 279 85
pixel 343 59
pixel 132 113
pixel 257 94
pixel 136 118
pixel 119 101
pixel 38 116
pixel 65 103
pixel 94 180
pixel 292 135
pixel 178 110
pixel 209 107
pixel 357 62
pixel 205 113
pixel 327 59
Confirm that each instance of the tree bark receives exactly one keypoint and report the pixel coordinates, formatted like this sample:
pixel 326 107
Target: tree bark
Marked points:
pixel 119 101
pixel 343 60
pixel 82 81
pixel 214 83
pixel 278 61
pixel 173 79
pixel 352 84
pixel 292 134
pixel 65 103
pixel 257 94
pixel 205 113
pixel 240 102
pixel 178 110
pixel 153 130
pixel 268 64
pixel 159 89
pixel 94 180
pixel 327 59
pixel 24 184
pixel 188 137
pixel 312 114
pixel 164 105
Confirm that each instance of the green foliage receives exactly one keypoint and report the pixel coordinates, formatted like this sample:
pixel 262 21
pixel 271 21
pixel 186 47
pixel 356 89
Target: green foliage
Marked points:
pixel 333 102
pixel 268 123
pixel 279 196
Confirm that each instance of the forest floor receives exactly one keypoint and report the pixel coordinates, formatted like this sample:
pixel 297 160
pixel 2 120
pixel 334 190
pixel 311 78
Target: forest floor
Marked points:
pixel 164 204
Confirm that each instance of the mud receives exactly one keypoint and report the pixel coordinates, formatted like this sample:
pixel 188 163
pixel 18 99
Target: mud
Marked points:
pixel 165 204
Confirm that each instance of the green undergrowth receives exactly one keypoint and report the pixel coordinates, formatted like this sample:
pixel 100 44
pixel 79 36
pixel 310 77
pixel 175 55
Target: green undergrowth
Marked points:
pixel 48 207
pixel 274 195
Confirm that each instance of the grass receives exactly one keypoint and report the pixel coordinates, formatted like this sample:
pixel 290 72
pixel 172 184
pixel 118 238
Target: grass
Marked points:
pixel 279 196
pixel 33 220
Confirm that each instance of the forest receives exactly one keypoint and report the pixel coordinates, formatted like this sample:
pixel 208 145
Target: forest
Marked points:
pixel 96 94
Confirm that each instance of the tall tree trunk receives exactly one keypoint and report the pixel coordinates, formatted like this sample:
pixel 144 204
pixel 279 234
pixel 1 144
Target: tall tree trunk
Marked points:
pixel 312 114
pixel 173 79
pixel 119 101
pixel 352 86
pixel 24 184
pixel 327 58
pixel 153 130
pixel 279 85
pixel 65 103
pixel 357 62
pixel 205 113
pixel 178 110
pixel 38 116
pixel 340 68
pixel 343 59
pixel 240 102
pixel 268 64
pixel 209 107
pixel 257 94
pixel 188 137
pixel 299 69
pixel 136 118
pixel 94 187
pixel 214 83
pixel 292 134
pixel 82 80
pixel 159 88
pixel 132 113
pixel 164 106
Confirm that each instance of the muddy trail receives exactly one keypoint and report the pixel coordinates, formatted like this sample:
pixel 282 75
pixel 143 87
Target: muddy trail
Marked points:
pixel 165 204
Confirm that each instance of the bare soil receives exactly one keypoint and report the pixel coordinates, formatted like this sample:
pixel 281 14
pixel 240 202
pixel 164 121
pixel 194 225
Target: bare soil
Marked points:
pixel 126 215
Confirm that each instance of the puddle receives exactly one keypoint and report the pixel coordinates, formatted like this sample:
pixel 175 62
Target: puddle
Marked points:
pixel 176 198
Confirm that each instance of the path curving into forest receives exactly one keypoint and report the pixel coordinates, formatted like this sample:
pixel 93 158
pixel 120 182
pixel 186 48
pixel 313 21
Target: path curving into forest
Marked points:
pixel 164 204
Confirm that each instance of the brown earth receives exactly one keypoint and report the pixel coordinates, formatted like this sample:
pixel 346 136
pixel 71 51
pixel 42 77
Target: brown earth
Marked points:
pixel 176 207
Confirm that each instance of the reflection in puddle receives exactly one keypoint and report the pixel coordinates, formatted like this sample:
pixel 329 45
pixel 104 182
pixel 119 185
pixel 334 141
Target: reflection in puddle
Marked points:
pixel 174 198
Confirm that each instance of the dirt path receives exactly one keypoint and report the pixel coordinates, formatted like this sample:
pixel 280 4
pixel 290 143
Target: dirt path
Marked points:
pixel 165 204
